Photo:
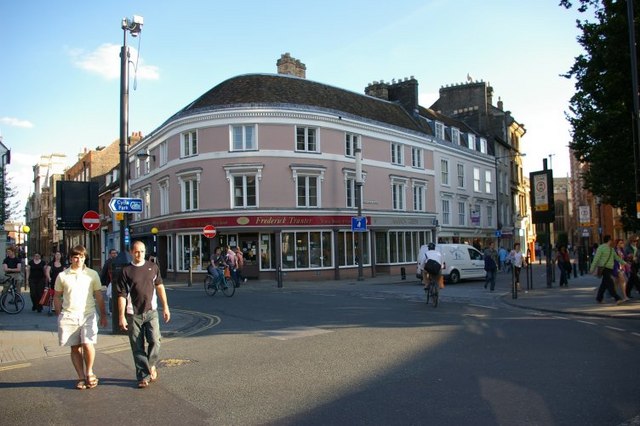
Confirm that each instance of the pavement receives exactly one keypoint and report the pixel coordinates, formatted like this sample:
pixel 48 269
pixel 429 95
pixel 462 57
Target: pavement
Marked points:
pixel 29 335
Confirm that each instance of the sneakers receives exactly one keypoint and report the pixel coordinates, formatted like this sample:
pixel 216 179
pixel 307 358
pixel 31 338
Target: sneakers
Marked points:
pixel 244 281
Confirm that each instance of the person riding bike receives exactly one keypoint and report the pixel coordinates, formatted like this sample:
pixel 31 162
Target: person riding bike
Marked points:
pixel 431 266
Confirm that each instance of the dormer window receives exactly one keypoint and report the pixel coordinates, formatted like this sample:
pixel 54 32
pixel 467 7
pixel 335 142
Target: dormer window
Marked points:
pixel 439 130
pixel 455 136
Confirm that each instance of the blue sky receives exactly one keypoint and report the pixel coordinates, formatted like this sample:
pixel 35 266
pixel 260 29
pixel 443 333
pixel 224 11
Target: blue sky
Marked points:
pixel 59 79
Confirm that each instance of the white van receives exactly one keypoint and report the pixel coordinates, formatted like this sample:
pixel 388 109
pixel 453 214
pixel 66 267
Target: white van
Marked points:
pixel 460 262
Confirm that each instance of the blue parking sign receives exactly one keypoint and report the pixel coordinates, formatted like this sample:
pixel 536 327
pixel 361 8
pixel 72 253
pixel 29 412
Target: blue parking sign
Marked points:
pixel 359 224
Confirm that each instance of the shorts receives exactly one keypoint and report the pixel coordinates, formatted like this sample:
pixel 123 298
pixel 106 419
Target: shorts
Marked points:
pixel 75 329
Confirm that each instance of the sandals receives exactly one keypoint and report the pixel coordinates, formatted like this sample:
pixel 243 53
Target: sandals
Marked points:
pixel 81 384
pixel 143 384
pixel 92 381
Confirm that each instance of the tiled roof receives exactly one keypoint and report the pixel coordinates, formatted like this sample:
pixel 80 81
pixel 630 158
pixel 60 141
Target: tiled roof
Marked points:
pixel 287 91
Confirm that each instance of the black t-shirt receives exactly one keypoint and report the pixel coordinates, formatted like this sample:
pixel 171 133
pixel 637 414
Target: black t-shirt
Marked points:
pixel 11 262
pixel 54 271
pixel 140 283
pixel 36 271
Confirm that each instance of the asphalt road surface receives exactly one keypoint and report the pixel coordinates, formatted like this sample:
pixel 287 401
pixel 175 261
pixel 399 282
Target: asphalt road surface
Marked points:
pixel 342 356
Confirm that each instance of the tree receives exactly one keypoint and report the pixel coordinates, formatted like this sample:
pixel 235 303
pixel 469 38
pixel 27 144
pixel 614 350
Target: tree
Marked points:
pixel 11 202
pixel 601 110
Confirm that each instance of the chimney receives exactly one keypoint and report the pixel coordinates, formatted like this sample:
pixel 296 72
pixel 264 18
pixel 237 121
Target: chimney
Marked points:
pixel 291 66
pixel 405 92
pixel 378 90
pixel 500 106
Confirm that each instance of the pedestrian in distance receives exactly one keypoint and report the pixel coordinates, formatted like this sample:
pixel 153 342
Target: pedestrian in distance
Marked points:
pixel 632 256
pixel 138 289
pixel 518 262
pixel 34 274
pixel 490 266
pixel 603 259
pixel 77 292
pixel 239 266
pixel 53 269
pixel 564 264
pixel 233 265
pixel 502 257
pixel 106 278
pixel 620 271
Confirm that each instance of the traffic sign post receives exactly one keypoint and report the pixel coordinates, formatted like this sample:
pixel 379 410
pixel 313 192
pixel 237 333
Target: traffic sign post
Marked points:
pixel 359 224
pixel 91 220
pixel 209 231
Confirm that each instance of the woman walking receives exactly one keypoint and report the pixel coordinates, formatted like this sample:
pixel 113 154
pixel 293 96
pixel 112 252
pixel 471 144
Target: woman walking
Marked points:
pixel 620 271
pixel 35 278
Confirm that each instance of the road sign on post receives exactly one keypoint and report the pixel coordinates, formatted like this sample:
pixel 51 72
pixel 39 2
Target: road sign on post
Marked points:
pixel 359 224
pixel 91 220
pixel 209 231
pixel 125 205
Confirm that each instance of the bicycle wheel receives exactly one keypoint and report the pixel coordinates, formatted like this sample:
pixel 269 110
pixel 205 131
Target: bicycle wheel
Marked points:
pixel 228 287
pixel 428 293
pixel 12 302
pixel 435 297
pixel 210 286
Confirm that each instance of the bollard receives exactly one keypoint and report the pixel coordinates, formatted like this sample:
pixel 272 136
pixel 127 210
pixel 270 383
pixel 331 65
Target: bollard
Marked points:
pixel 403 273
pixel 279 276
pixel 575 271
pixel 190 276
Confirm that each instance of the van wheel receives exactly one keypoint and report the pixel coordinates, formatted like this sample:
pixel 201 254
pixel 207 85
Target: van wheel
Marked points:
pixel 454 277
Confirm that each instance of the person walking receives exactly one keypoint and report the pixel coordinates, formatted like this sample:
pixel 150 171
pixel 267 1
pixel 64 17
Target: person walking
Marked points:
pixel 233 265
pixel 34 274
pixel 518 262
pixel 106 278
pixel 138 289
pixel 502 257
pixel 490 266
pixel 53 269
pixel 239 265
pixel 620 270
pixel 603 258
pixel 564 264
pixel 77 292
pixel 632 256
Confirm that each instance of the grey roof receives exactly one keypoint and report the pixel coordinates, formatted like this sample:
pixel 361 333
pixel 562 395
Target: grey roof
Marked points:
pixel 277 90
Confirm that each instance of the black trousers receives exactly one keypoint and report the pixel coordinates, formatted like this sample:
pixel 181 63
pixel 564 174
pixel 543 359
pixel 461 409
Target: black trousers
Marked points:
pixel 634 281
pixel 607 284
pixel 36 288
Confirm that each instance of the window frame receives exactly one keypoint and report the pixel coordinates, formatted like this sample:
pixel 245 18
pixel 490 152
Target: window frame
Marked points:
pixel 308 130
pixel 189 144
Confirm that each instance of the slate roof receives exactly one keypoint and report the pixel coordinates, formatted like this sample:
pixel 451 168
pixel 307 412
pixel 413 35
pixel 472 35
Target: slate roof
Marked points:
pixel 277 90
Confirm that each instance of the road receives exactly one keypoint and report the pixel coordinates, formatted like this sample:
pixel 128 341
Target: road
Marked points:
pixel 341 355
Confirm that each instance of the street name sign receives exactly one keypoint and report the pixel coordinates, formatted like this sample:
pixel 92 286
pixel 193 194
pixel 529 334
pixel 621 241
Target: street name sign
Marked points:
pixel 125 205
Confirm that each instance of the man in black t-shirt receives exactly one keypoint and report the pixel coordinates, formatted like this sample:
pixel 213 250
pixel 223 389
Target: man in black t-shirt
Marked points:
pixel 12 266
pixel 138 289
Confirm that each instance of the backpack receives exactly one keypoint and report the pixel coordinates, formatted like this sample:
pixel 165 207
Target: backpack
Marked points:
pixel 432 267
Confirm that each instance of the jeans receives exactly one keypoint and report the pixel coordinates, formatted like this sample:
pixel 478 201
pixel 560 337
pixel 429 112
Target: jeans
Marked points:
pixel 144 327
pixel 490 279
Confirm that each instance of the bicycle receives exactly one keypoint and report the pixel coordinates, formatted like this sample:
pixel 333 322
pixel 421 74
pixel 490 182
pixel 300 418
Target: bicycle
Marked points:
pixel 11 300
pixel 223 283
pixel 432 290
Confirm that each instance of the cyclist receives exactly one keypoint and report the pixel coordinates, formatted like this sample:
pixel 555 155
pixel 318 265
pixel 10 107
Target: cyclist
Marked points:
pixel 431 266
pixel 217 260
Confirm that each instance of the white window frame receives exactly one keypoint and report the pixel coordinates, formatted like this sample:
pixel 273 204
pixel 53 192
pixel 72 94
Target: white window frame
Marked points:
pixel 146 202
pixel 488 183
pixel 244 170
pixel 446 212
pixel 303 175
pixel 444 171
pixel 189 180
pixel 417 157
pixel 163 198
pixel 248 137
pixel 419 196
pixel 397 154
pixel 455 135
pixel 439 130
pixel 398 194
pixel 163 153
pixel 462 213
pixel 189 144
pixel 311 139
pixel 490 216
pixel 483 145
pixel 351 142
pixel 476 179
pixel 471 143
pixel 460 168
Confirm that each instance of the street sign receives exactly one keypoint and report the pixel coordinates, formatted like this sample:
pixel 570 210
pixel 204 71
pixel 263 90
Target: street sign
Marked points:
pixel 359 224
pixel 209 231
pixel 91 220
pixel 125 205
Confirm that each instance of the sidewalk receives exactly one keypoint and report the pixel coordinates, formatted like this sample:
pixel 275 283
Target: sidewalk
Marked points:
pixel 28 335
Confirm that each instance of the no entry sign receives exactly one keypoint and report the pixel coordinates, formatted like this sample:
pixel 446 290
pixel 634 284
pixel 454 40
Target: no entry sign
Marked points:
pixel 209 231
pixel 91 220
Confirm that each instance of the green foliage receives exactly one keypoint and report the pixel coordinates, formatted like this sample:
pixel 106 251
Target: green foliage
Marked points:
pixel 11 202
pixel 601 110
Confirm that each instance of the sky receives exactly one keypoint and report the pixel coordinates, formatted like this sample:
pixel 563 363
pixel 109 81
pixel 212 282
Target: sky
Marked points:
pixel 60 72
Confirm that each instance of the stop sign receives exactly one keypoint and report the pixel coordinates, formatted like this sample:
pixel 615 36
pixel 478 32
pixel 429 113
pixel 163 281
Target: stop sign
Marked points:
pixel 209 231
pixel 91 220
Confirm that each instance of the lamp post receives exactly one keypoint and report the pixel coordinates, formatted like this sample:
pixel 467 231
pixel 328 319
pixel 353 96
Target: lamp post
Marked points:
pixel 498 223
pixel 26 229
pixel 359 184
pixel 134 27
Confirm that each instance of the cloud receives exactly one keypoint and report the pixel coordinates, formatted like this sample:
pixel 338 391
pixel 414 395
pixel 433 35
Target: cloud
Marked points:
pixel 16 122
pixel 105 62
